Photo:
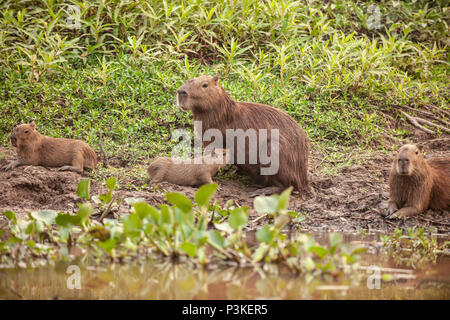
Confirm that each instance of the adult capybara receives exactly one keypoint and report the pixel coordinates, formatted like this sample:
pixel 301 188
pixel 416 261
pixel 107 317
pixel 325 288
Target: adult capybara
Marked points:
pixel 214 107
pixel 416 185
pixel 36 149
pixel 197 172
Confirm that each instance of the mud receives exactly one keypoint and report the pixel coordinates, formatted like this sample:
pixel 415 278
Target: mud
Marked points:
pixel 354 199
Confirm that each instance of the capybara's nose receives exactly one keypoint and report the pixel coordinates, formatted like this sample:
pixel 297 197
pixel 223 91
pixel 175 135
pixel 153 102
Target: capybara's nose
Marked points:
pixel 182 93
pixel 13 139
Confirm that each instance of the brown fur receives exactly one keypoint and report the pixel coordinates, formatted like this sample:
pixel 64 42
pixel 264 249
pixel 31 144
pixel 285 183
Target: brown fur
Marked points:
pixel 216 109
pixel 416 185
pixel 186 174
pixel 36 149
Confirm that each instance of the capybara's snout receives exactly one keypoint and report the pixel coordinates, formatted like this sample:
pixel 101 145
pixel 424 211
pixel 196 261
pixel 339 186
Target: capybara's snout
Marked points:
pixel 182 93
pixel 403 166
pixel 13 140
pixel 181 98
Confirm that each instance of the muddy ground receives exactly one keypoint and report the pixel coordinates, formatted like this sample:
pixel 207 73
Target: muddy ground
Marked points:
pixel 354 199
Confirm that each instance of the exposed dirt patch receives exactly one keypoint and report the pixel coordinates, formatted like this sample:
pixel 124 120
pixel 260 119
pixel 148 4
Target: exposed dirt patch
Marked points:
pixel 353 200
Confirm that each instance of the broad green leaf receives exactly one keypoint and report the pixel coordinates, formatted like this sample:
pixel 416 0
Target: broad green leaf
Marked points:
pixel 83 189
pixel 238 218
pixel 293 249
pixel 330 266
pixel 264 234
pixel 30 243
pixel 131 201
pixel 204 194
pixel 84 213
pixel 66 220
pixel 48 217
pixel 216 238
pixel 189 248
pixel 283 200
pixel 34 227
pixel 11 216
pixel 143 210
pixel 105 198
pixel 111 183
pixel 260 252
pixel 166 215
pixel 320 251
pixel 63 232
pixel 225 226
pixel 200 237
pixel 130 244
pixel 264 205
pixel 108 245
pixel 179 200
pixel 359 250
pixel 131 223
pixel 309 264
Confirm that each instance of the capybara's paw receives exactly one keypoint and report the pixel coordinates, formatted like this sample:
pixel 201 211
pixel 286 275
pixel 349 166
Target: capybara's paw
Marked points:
pixel 8 167
pixel 268 191
pixel 69 168
pixel 392 207
pixel 395 215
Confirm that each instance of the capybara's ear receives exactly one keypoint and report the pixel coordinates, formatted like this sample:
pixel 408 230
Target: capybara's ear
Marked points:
pixel 216 78
pixel 419 148
pixel 32 124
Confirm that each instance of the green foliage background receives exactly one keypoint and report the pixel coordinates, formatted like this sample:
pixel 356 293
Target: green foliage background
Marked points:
pixel 321 61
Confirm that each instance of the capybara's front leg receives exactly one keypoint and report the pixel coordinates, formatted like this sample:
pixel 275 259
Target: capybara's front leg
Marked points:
pixel 392 207
pixel 268 191
pixel 406 212
pixel 13 165
pixel 77 165
pixel 71 168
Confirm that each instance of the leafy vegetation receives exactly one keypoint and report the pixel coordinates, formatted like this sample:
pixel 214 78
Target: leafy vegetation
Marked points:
pixel 414 248
pixel 339 68
pixel 182 229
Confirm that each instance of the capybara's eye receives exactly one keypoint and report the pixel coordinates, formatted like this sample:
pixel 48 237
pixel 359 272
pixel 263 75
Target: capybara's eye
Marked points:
pixel 26 131
pixel 205 85
pixel 417 152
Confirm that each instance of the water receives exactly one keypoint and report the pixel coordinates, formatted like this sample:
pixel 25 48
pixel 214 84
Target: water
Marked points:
pixel 168 280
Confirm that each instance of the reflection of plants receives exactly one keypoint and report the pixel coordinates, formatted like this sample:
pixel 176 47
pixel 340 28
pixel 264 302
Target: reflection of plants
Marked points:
pixel 413 248
pixel 180 230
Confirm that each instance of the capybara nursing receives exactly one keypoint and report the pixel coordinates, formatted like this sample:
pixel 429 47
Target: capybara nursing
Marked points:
pixel 196 173
pixel 214 107
pixel 416 185
pixel 36 149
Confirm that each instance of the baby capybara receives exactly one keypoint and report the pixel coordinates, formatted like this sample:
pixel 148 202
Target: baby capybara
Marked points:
pixel 214 107
pixel 196 173
pixel 36 149
pixel 417 184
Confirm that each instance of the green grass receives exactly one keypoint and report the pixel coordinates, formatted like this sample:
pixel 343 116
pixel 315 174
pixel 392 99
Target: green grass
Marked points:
pixel 321 62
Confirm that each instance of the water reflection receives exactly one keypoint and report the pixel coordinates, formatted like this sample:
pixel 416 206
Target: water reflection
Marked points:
pixel 183 281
